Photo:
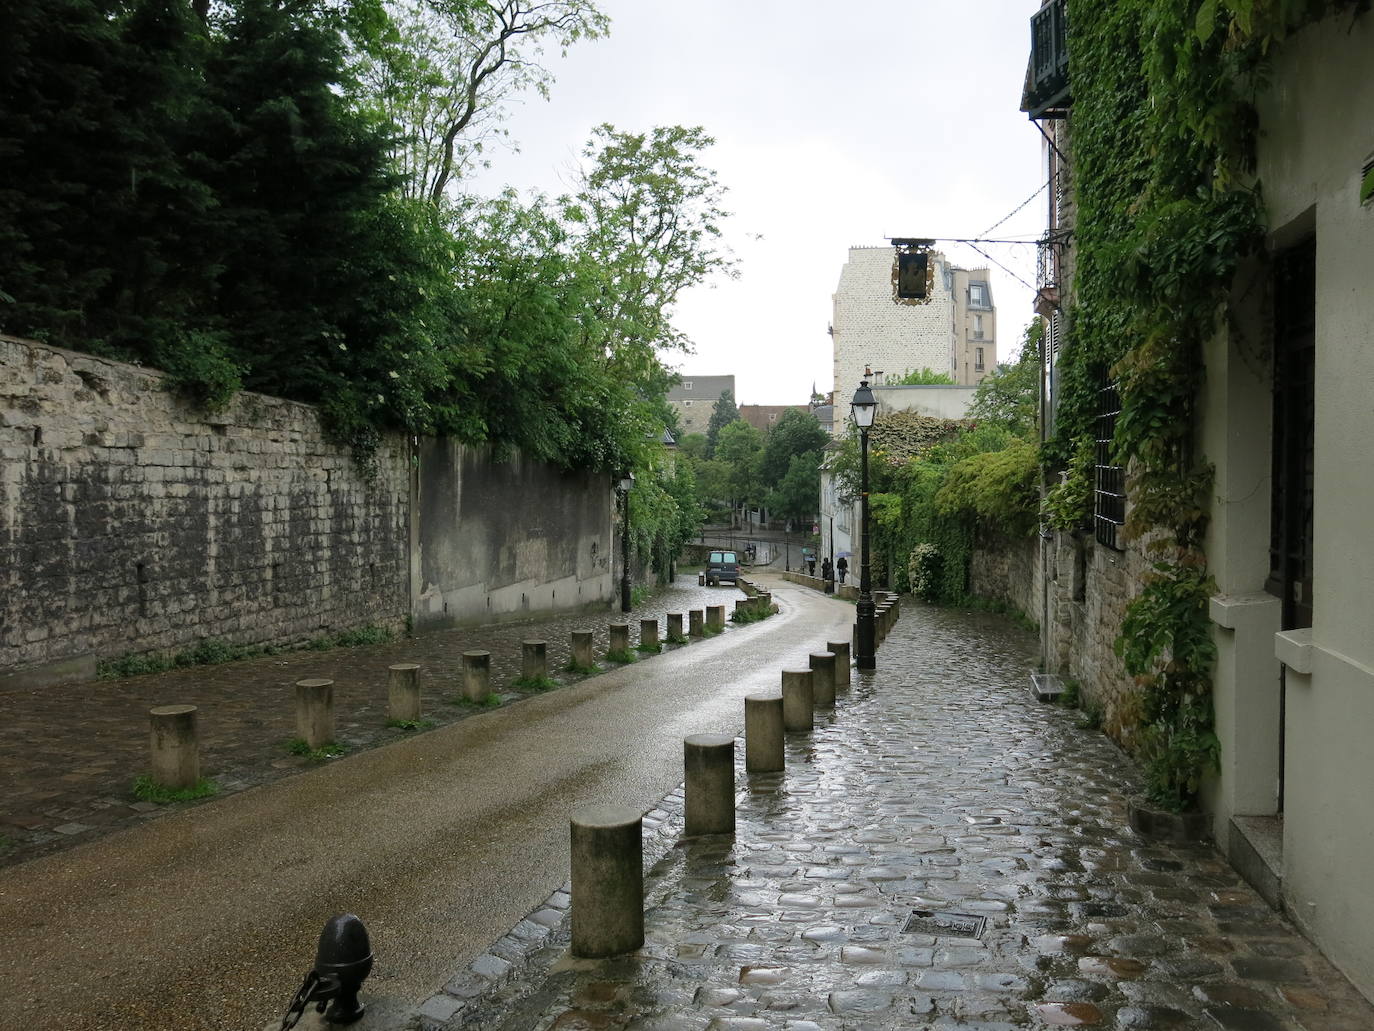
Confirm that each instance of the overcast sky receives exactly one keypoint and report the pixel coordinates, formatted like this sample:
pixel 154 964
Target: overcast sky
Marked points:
pixel 836 125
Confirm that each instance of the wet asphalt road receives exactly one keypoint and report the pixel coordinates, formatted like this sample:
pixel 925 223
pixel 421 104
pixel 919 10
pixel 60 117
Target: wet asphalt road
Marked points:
pixel 208 918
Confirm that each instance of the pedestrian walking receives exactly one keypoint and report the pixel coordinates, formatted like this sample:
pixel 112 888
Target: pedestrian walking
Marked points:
pixel 842 567
pixel 827 570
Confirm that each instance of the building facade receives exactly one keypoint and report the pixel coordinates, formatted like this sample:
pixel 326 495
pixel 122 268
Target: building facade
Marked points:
pixel 694 399
pixel 1283 416
pixel 954 332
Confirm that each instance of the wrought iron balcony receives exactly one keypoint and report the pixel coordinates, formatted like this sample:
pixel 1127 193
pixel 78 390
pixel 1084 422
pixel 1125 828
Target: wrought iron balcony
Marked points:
pixel 1047 79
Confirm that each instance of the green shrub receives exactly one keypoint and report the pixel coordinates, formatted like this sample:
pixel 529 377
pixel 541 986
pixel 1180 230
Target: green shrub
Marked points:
pixel 148 790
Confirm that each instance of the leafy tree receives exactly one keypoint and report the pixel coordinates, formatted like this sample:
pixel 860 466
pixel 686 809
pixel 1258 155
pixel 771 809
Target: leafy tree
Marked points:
pixel 1010 394
pixel 740 450
pixel 693 445
pixel 443 70
pixel 797 495
pixel 924 377
pixel 795 433
pixel 722 415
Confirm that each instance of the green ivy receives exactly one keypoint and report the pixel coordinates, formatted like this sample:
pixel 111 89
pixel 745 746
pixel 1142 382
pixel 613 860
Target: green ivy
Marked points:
pixel 1163 130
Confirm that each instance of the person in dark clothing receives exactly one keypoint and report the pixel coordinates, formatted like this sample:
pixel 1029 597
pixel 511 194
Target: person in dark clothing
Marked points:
pixel 842 567
pixel 827 570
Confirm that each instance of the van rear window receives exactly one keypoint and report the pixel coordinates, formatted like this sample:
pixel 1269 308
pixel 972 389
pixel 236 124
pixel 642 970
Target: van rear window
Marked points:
pixel 723 556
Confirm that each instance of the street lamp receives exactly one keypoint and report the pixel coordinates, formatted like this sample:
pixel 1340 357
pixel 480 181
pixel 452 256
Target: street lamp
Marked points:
pixel 864 408
pixel 626 484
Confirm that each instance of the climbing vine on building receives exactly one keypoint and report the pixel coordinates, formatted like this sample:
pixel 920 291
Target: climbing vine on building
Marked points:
pixel 1163 131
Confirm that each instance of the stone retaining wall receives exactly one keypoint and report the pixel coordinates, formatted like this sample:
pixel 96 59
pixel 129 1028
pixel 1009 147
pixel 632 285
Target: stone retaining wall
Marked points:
pixel 130 522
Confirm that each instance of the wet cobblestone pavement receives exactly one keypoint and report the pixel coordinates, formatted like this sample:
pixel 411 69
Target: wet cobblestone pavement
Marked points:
pixel 69 754
pixel 938 787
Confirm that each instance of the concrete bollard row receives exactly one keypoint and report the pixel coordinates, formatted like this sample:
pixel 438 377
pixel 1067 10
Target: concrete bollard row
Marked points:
pixel 709 793
pixel 675 626
pixel 476 675
pixel 823 666
pixel 798 699
pixel 763 733
pixel 648 634
pixel 619 637
pixel 841 650
pixel 696 623
pixel 715 617
pixel 174 746
pixel 582 649
pixel 315 712
pixel 534 660
pixel 607 881
pixel 403 692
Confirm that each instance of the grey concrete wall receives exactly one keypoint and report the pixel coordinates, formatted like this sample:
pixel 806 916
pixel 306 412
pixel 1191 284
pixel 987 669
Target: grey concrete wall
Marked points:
pixel 499 540
pixel 131 523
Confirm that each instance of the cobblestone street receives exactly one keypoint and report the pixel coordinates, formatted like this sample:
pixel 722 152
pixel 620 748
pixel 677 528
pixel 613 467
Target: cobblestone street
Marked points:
pixel 69 754
pixel 938 787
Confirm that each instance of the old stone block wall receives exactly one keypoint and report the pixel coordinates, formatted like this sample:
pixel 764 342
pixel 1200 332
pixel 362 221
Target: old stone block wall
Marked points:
pixel 1008 570
pixel 1090 587
pixel 131 523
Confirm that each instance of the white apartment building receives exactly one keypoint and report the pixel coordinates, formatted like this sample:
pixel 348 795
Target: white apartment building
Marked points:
pixel 955 332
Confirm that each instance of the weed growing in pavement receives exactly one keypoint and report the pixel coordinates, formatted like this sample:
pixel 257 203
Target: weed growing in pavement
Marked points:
pixel 215 653
pixel 491 701
pixel 709 630
pixel 623 656
pixel 576 667
pixel 7 843
pixel 1070 696
pixel 649 649
pixel 328 750
pixel 410 724
pixel 148 790
pixel 751 615
pixel 676 639
pixel 536 683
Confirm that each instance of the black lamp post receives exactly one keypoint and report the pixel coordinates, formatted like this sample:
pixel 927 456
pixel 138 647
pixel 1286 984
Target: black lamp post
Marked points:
pixel 626 484
pixel 864 408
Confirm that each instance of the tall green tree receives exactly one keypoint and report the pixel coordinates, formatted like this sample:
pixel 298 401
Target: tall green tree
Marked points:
pixel 1009 395
pixel 798 493
pixel 795 433
pixel 740 449
pixel 924 377
pixel 724 413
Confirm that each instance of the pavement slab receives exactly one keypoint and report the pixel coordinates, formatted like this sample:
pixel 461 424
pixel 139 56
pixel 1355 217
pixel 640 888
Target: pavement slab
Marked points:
pixel 941 851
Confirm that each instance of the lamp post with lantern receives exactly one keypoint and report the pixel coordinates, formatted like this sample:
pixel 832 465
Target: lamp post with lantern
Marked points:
pixel 624 487
pixel 864 409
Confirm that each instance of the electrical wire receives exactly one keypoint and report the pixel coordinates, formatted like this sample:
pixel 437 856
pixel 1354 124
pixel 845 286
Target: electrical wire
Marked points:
pixel 1017 210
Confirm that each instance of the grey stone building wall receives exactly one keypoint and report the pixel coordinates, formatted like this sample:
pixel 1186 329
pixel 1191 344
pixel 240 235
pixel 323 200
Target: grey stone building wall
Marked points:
pixel 131 523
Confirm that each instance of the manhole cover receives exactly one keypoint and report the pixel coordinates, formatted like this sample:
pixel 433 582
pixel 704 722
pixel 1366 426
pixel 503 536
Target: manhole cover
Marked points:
pixel 959 925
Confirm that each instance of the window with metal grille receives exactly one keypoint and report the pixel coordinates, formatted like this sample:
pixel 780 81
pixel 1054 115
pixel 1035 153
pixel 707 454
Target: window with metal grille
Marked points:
pixel 1109 495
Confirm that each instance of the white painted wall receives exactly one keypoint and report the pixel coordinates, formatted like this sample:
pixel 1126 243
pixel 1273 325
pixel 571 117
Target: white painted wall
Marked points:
pixel 1316 136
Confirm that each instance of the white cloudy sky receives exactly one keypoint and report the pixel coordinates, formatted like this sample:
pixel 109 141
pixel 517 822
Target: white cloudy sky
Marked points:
pixel 836 125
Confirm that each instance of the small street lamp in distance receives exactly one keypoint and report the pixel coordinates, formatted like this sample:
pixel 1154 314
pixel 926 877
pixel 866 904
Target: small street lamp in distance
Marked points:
pixel 864 409
pixel 624 487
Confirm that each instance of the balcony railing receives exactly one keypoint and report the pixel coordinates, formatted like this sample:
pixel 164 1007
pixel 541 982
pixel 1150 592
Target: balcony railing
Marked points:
pixel 1047 94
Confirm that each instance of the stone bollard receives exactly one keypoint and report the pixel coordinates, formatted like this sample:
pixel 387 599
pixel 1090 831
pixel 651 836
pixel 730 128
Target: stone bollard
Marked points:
pixel 582 648
pixel 534 660
pixel 744 607
pixel 620 637
pixel 709 764
pixel 763 751
pixel 607 881
pixel 403 692
pixel 696 619
pixel 174 746
pixel 675 626
pixel 715 616
pixel 648 634
pixel 476 675
pixel 823 665
pixel 798 699
pixel 315 712
pixel 841 650
pixel 765 602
